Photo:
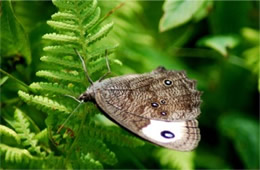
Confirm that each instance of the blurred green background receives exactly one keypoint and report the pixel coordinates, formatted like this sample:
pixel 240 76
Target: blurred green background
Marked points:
pixel 217 43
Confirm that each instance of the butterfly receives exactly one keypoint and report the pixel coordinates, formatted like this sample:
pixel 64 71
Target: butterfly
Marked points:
pixel 161 106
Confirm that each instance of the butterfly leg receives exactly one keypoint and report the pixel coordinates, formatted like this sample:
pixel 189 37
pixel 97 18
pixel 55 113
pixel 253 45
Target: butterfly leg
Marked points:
pixel 108 68
pixel 84 67
pixel 72 113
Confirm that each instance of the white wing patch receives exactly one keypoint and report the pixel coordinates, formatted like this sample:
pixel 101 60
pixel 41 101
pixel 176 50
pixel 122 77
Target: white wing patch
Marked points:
pixel 164 132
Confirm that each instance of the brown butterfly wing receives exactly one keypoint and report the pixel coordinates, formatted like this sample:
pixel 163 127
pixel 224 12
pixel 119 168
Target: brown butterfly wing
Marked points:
pixel 190 135
pixel 148 95
pixel 128 100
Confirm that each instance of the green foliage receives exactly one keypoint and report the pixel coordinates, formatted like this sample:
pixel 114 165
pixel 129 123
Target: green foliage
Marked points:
pixel 15 155
pixel 7 132
pixel 220 43
pixel 176 160
pixel 44 103
pixel 27 148
pixel 112 134
pixel 13 34
pixel 238 128
pixel 77 26
pixel 216 42
pixel 252 54
pixel 174 17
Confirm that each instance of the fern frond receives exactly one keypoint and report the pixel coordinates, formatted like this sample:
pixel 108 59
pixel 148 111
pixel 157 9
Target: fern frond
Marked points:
pixel 42 136
pixel 97 66
pixel 78 26
pixel 63 26
pixel 43 103
pixel 56 88
pixel 99 150
pixel 59 49
pixel 56 75
pixel 15 155
pixel 6 131
pixel 21 125
pixel 64 4
pixel 61 38
pixel 101 52
pixel 90 9
pixel 93 20
pixel 62 62
pixel 64 16
pixel 87 162
pixel 100 34
pixel 112 135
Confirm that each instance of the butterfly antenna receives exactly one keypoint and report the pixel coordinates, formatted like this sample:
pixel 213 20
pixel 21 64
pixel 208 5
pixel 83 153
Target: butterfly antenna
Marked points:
pixel 108 67
pixel 74 98
pixel 84 66
pixel 61 127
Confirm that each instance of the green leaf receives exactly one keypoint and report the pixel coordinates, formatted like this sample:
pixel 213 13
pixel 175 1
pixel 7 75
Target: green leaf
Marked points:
pixel 102 32
pixel 62 61
pixel 252 54
pixel 89 162
pixel 63 26
pixel 42 136
pixel 56 75
pixel 13 154
pixel 177 13
pixel 61 38
pixel 174 159
pixel 244 133
pixel 113 135
pixel 3 80
pixel 99 150
pixel 220 43
pixel 13 35
pixel 45 87
pixel 44 103
pixel 251 35
pixel 10 133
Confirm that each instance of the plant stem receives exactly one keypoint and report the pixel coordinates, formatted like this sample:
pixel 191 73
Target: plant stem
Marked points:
pixel 15 79
pixel 107 15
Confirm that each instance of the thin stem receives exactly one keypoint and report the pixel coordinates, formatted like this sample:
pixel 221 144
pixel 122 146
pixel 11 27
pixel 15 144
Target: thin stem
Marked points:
pixel 15 79
pixel 107 15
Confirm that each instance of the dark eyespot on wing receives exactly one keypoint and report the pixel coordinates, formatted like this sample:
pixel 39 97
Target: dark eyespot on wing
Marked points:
pixel 167 134
pixel 167 82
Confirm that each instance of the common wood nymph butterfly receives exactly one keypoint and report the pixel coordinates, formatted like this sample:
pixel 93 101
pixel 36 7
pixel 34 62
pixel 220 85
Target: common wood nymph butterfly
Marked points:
pixel 160 106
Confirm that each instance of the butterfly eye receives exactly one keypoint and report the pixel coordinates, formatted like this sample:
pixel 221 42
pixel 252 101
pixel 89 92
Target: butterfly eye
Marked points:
pixel 167 134
pixel 167 82
pixel 155 104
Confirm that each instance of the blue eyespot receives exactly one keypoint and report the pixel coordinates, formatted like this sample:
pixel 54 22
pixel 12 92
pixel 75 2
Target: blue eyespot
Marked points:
pixel 167 134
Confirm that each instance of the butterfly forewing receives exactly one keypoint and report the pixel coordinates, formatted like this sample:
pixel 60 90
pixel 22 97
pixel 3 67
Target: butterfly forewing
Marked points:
pixel 161 106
